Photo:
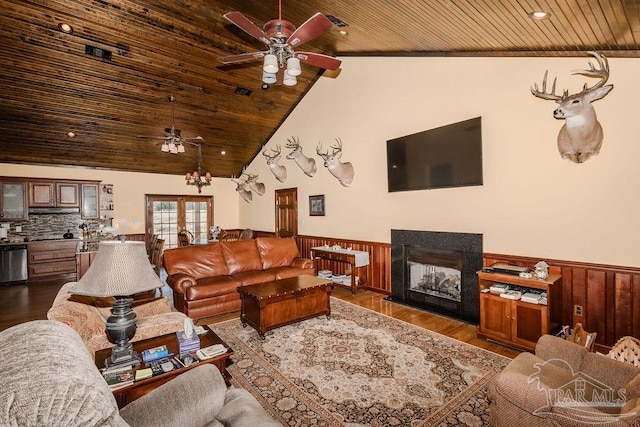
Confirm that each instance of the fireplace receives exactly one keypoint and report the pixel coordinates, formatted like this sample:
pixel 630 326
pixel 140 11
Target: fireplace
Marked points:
pixel 436 271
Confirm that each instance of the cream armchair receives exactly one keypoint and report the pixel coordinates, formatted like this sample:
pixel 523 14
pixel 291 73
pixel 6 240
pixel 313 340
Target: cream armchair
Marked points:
pixel 80 313
pixel 48 379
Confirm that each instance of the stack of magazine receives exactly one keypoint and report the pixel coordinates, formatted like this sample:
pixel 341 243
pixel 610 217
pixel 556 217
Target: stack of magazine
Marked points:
pixel 118 376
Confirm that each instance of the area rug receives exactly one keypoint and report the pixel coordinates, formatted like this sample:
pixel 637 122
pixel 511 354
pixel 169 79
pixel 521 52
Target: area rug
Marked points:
pixel 361 368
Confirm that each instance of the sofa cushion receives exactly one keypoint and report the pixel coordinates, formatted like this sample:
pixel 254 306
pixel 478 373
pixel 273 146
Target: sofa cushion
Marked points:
pixel 241 255
pixel 277 251
pixel 197 261
pixel 254 277
pixel 212 287
pixel 286 272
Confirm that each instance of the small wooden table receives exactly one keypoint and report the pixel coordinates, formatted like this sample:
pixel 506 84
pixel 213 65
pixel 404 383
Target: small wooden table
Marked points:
pixel 357 262
pixel 128 394
pixel 269 305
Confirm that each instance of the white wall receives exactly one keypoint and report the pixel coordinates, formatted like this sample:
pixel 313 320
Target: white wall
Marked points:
pixel 129 191
pixel 532 202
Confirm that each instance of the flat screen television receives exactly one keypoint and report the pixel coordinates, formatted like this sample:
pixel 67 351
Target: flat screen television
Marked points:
pixel 447 156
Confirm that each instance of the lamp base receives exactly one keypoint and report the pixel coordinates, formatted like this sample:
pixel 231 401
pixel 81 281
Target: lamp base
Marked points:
pixel 121 326
pixel 121 359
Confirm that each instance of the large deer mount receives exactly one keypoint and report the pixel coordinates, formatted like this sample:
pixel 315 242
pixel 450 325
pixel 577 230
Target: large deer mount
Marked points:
pixel 307 164
pixel 342 171
pixel 581 135
pixel 242 187
pixel 279 171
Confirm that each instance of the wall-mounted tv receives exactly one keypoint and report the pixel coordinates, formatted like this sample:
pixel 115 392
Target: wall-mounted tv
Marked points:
pixel 447 156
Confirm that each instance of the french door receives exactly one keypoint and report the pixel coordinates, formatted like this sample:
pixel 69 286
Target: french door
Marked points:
pixel 167 215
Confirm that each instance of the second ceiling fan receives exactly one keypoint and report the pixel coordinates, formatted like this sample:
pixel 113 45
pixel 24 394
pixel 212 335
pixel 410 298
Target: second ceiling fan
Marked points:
pixel 173 142
pixel 281 62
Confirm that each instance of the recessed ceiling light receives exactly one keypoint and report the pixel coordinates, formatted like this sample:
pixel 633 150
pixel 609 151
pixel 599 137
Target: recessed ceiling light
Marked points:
pixel 539 15
pixel 224 153
pixel 65 28
pixel 71 134
pixel 343 32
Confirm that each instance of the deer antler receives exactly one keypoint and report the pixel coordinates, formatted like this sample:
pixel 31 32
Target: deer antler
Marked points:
pixel 338 147
pixel 602 72
pixel 275 153
pixel 547 95
pixel 293 143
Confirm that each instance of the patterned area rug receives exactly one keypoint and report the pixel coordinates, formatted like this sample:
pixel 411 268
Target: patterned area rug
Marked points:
pixel 361 368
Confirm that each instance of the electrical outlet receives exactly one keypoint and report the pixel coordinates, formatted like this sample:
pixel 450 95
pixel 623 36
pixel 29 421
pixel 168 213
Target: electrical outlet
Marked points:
pixel 577 309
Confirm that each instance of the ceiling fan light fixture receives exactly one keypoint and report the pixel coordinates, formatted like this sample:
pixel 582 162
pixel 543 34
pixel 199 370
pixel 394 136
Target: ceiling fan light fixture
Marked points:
pixel 289 80
pixel 268 78
pixel 180 148
pixel 165 148
pixel 270 63
pixel 293 67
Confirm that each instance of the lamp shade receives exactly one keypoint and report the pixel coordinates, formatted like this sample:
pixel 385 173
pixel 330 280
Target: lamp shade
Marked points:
pixel 268 78
pixel 293 67
pixel 270 63
pixel 119 269
pixel 289 80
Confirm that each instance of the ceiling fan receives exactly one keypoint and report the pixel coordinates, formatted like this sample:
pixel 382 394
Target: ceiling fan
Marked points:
pixel 173 142
pixel 281 62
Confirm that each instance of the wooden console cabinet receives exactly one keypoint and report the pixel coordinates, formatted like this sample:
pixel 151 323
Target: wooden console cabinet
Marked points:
pixel 517 323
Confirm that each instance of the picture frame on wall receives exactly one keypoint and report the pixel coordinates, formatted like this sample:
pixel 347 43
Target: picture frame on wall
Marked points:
pixel 316 205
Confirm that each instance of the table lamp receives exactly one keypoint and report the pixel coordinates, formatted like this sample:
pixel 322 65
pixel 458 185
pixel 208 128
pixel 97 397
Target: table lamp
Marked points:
pixel 120 269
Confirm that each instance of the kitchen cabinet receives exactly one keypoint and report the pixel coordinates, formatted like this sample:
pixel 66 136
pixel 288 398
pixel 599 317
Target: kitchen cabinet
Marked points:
pixel 514 322
pixel 52 260
pixel 67 195
pixel 53 194
pixel 90 201
pixel 13 200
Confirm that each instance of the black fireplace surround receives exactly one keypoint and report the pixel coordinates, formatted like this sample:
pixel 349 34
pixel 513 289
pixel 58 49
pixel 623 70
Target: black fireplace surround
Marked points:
pixel 467 244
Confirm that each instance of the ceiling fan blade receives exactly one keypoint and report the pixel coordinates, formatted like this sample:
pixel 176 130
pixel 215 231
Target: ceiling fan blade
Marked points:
pixel 154 137
pixel 319 60
pixel 247 26
pixel 243 57
pixel 195 138
pixel 311 29
pixel 172 132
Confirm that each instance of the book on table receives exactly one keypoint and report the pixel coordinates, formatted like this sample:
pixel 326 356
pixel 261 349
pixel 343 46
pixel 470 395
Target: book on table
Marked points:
pixel 119 377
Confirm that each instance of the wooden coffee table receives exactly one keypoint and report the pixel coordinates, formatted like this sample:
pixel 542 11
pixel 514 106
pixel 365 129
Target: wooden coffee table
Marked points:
pixel 128 394
pixel 269 305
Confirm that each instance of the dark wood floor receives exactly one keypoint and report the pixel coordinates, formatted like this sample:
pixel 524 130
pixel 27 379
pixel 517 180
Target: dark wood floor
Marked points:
pixel 21 303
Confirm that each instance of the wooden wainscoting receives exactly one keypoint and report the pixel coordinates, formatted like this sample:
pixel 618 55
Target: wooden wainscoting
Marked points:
pixel 378 271
pixel 609 296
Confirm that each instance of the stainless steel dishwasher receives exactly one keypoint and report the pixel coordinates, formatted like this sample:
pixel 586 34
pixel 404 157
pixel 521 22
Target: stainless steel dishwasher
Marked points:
pixel 13 263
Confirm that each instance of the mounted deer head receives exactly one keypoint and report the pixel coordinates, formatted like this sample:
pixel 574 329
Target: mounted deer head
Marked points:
pixel 279 171
pixel 241 187
pixel 307 164
pixel 342 171
pixel 252 182
pixel 581 136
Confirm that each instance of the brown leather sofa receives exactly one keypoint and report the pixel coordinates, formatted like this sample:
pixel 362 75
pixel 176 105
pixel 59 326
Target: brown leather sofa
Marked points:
pixel 205 278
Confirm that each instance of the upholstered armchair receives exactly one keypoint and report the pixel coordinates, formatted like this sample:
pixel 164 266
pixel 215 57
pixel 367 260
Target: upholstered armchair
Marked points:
pixel 49 379
pixel 564 384
pixel 88 318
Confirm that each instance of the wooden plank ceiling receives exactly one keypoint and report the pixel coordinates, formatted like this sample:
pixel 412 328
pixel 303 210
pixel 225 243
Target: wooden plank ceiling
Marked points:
pixel 50 86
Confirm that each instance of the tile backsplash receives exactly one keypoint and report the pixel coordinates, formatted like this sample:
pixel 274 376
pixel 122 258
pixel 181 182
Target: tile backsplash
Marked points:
pixel 53 226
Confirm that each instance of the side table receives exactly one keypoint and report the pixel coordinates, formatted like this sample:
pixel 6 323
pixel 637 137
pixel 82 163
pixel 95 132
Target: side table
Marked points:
pixel 357 261
pixel 128 394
